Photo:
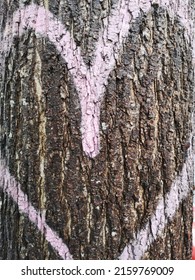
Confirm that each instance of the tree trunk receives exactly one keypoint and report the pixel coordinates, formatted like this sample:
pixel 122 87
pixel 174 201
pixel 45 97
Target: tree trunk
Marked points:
pixel 96 129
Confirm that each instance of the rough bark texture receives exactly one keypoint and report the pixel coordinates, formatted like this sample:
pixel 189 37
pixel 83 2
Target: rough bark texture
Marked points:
pixel 96 205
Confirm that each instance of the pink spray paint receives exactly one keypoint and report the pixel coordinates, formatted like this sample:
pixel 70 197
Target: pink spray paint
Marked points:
pixel 90 84
pixel 13 189
pixel 165 211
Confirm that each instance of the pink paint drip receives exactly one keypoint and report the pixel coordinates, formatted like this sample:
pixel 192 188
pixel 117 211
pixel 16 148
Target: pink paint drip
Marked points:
pixel 90 82
pixel 13 189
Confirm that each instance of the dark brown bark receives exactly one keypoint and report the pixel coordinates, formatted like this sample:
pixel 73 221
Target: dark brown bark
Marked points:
pixel 97 205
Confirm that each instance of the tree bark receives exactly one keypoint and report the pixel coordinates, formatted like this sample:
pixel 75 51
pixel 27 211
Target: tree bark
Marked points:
pixel 106 206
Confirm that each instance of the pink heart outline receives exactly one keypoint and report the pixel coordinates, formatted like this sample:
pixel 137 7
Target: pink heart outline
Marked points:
pixel 90 91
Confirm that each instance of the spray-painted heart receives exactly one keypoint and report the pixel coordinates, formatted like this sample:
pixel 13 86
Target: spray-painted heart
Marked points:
pixel 90 84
